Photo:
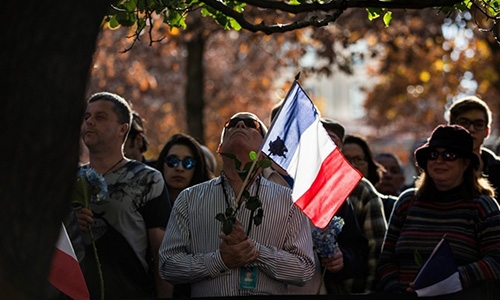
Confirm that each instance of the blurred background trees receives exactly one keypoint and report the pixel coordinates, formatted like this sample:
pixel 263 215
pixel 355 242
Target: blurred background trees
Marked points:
pixel 425 59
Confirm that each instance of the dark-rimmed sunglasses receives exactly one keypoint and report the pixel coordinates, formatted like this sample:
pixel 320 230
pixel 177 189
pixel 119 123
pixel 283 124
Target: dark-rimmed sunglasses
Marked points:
pixel 173 161
pixel 445 155
pixel 249 122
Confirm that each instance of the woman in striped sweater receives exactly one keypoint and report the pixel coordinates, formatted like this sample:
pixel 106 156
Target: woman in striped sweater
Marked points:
pixel 449 199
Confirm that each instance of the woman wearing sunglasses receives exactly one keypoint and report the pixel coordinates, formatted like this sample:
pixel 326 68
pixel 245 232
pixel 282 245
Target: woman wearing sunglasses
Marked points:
pixel 182 164
pixel 449 199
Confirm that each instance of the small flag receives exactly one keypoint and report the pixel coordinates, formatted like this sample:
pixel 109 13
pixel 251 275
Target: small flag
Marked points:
pixel 439 275
pixel 298 143
pixel 65 273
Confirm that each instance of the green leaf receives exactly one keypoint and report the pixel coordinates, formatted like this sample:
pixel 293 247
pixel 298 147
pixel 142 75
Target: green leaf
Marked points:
pixel 234 24
pixel 237 162
pixel 176 19
pixel 252 155
pixel 243 174
pixel 248 166
pixel 113 22
pixel 387 18
pixel 374 13
pixel 220 217
pixel 245 194
pixel 141 4
pixel 253 203
pixel 227 226
pixel 257 220
pixel 417 257
pixel 229 211
pixel 265 163
pixel 81 192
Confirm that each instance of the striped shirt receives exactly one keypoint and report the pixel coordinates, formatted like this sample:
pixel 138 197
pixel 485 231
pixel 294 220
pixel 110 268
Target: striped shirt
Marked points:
pixel 472 228
pixel 190 249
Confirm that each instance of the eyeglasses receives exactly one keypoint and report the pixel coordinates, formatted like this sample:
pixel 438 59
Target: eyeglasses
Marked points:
pixel 445 155
pixel 249 122
pixel 478 124
pixel 173 161
pixel 357 160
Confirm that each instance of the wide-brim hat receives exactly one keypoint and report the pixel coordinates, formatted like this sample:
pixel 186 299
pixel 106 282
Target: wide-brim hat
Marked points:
pixel 451 137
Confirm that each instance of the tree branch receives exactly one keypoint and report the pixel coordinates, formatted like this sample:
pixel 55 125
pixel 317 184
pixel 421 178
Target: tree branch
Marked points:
pixel 336 7
pixel 269 29
pixel 344 4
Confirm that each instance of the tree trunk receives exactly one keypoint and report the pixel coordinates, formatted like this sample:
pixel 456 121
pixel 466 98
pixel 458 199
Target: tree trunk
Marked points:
pixel 46 57
pixel 195 104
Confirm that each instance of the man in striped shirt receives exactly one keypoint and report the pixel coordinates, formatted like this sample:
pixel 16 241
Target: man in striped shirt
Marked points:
pixel 275 254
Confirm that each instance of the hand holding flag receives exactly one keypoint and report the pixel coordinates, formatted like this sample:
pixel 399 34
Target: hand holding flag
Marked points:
pixel 439 274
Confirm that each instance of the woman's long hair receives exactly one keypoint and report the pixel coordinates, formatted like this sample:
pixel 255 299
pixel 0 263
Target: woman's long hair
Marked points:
pixel 201 172
pixel 473 185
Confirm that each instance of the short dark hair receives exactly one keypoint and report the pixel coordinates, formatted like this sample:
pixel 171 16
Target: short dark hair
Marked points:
pixel 466 104
pixel 390 155
pixel 120 106
pixel 138 128
pixel 334 126
pixel 275 109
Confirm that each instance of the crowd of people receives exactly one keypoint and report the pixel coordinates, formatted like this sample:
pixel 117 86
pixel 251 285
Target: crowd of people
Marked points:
pixel 159 233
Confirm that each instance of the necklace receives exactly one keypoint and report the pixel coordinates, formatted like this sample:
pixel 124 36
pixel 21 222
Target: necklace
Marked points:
pixel 113 166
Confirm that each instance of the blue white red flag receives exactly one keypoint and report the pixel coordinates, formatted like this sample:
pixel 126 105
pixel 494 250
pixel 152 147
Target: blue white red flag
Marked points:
pixel 298 143
pixel 439 275
pixel 65 273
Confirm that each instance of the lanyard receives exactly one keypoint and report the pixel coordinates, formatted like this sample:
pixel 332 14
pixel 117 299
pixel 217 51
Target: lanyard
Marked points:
pixel 226 197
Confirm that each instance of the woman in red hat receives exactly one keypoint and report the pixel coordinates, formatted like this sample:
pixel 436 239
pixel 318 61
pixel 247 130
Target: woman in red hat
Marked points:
pixel 449 199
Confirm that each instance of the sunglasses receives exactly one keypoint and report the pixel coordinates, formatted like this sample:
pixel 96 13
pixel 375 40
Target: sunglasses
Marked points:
pixel 173 161
pixel 249 122
pixel 445 155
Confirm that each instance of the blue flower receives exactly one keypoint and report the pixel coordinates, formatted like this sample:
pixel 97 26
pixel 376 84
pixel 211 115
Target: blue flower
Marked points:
pixel 98 185
pixel 325 240
pixel 90 187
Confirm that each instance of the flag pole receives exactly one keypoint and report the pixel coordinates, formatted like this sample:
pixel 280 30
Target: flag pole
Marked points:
pixel 247 178
pixel 295 81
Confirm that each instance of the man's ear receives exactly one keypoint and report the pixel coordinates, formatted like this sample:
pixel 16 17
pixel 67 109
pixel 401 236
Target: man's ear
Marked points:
pixel 123 129
pixel 487 132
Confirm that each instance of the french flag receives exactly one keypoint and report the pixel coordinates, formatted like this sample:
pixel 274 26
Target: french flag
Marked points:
pixel 298 143
pixel 65 273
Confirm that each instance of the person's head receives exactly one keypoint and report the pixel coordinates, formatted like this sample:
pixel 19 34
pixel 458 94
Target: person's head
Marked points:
pixel 210 159
pixel 393 177
pixel 335 130
pixel 276 108
pixel 474 115
pixel 182 163
pixel 107 120
pixel 243 133
pixel 448 160
pixel 359 154
pixel 136 142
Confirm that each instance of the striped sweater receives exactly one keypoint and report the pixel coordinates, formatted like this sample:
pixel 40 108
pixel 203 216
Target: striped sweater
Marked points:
pixel 472 228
